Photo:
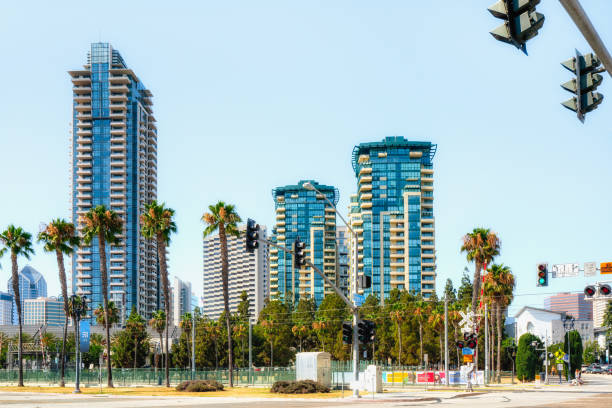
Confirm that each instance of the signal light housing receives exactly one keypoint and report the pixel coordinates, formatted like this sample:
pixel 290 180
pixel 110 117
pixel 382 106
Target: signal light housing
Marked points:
pixel 460 344
pixel 365 331
pixel 252 235
pixel 347 333
pixel 605 290
pixel 299 258
pixel 589 291
pixel 542 275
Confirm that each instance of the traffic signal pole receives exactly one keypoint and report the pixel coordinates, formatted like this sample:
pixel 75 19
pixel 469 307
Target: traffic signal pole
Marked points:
pixel 582 21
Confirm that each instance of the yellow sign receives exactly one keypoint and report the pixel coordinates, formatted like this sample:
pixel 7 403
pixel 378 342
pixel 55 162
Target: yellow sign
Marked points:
pixel 468 358
pixel 606 267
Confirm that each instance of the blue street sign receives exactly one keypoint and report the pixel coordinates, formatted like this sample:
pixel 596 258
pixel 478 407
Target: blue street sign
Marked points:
pixel 467 351
pixel 358 299
pixel 84 336
pixel 566 358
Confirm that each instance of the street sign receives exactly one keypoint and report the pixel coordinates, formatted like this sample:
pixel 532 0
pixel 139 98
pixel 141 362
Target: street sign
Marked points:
pixel 569 270
pixel 606 267
pixel 590 268
pixel 566 358
pixel 358 299
pixel 84 336
pixel 467 321
pixel 468 358
pixel 467 350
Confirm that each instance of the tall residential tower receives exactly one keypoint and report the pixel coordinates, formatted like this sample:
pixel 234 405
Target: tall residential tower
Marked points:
pixel 392 213
pixel 114 155
pixel 305 214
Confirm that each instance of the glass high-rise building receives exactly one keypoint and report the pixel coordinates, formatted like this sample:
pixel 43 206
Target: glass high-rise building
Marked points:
pixel 31 286
pixel 392 213
pixel 114 156
pixel 305 214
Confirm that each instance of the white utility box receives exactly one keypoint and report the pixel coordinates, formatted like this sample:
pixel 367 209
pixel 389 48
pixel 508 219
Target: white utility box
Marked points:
pixel 314 366
pixel 372 379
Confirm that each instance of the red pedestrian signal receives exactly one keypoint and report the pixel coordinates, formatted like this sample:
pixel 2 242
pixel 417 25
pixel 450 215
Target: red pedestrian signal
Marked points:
pixel 589 291
pixel 605 290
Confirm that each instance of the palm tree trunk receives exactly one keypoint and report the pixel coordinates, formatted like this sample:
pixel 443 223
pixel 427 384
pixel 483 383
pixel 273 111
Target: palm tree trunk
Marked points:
pixel 161 348
pixel 225 279
pixel 15 279
pixel 163 268
pixel 491 341
pixel 475 297
pixel 499 336
pixel 399 342
pixel 421 341
pixel 441 348
pixel 62 277
pixel 104 276
pixel 456 339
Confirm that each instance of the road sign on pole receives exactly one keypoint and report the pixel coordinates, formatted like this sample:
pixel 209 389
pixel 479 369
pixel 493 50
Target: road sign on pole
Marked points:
pixel 590 268
pixel 606 267
pixel 358 299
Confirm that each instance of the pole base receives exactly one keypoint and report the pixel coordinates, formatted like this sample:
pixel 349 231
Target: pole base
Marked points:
pixel 77 391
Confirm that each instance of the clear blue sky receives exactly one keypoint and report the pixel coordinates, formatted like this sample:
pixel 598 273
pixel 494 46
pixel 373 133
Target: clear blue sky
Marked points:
pixel 252 95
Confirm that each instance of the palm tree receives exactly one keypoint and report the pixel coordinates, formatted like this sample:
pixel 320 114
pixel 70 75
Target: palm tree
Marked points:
pixel 481 247
pixel 421 308
pixel 241 331
pixel 18 242
pixel 214 331
pixel 158 323
pixel 398 317
pixel 59 236
pixel 223 217
pixel 135 323
pixel 157 224
pixel 454 318
pixel 185 325
pixel 75 303
pixel 113 314
pixel 105 226
pixel 501 281
pixel 436 321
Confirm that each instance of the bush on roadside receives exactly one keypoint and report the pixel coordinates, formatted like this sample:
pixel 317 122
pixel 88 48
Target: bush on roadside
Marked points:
pixel 298 387
pixel 199 386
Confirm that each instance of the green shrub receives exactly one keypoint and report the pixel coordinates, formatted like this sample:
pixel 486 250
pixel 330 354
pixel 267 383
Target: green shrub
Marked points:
pixel 298 387
pixel 528 361
pixel 200 386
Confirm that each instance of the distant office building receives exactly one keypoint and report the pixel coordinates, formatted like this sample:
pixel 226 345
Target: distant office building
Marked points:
pixel 343 258
pixel 247 272
pixel 114 163
pixel 31 286
pixel 181 299
pixel 305 214
pixel 43 310
pixel 573 304
pixel 599 310
pixel 392 214
pixel 6 308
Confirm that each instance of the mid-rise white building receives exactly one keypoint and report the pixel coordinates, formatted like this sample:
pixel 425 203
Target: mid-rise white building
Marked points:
pixel 181 296
pixel 247 272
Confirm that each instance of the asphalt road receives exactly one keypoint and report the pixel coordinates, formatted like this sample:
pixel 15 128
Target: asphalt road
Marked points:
pixel 596 393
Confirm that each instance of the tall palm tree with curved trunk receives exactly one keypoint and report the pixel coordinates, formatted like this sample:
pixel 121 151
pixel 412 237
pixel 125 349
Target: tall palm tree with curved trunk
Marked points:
pixel 59 236
pixel 481 246
pixel 436 321
pixel 500 281
pixel 19 243
pixel 397 316
pixel 223 218
pixel 105 226
pixel 158 323
pixel 157 225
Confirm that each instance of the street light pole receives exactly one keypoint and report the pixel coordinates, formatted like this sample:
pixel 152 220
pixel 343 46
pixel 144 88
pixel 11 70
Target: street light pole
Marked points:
pixel 193 329
pixel 310 186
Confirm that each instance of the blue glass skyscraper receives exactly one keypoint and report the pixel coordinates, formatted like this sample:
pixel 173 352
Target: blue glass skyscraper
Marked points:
pixel 305 214
pixel 114 154
pixel 392 213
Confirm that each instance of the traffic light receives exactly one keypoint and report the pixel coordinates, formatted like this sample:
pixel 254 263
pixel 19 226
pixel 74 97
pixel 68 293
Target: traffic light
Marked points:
pixel 347 333
pixel 252 235
pixel 364 281
pixel 605 290
pixel 299 258
pixel 471 340
pixel 589 291
pixel 584 85
pixel 542 274
pixel 521 21
pixel 365 331
pixel 460 344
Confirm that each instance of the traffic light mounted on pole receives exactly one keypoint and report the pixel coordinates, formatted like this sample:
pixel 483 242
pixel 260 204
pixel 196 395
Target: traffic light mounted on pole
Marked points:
pixel 365 330
pixel 299 258
pixel 521 21
pixel 252 235
pixel 347 333
pixel 584 85
pixel 542 275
